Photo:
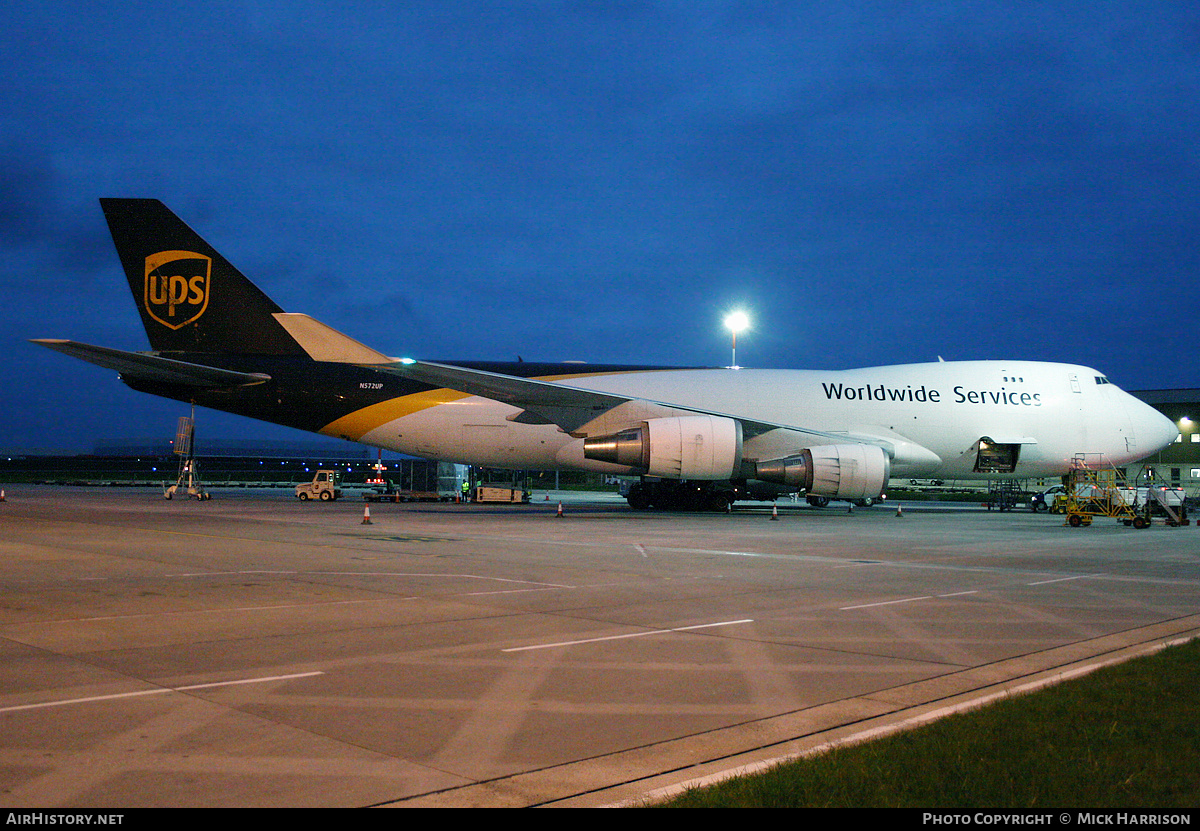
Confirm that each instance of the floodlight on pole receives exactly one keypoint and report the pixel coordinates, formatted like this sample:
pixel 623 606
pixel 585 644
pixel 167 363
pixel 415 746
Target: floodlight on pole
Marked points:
pixel 736 322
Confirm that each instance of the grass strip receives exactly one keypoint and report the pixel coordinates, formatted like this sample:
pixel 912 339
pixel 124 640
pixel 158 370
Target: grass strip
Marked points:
pixel 1123 737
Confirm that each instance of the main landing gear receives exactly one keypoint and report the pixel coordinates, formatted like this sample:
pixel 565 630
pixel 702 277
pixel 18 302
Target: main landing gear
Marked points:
pixel 681 496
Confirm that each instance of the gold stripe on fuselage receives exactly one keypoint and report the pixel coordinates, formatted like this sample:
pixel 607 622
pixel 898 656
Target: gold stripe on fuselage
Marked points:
pixel 355 425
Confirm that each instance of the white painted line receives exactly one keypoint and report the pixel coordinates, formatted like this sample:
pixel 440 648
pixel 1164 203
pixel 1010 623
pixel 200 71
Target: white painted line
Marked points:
pixel 425 574
pixel 262 680
pixel 960 594
pixel 368 574
pixel 226 573
pixel 1065 579
pixel 158 691
pixel 222 611
pixel 886 603
pixel 622 637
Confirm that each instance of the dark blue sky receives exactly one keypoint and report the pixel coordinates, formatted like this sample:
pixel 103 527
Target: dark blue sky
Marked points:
pixel 876 183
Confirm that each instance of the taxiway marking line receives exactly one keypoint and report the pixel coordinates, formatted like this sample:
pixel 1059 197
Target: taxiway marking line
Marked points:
pixel 886 603
pixel 158 691
pixel 630 635
pixel 223 611
pixel 908 600
pixel 513 591
pixel 375 574
pixel 1065 579
pixel 959 594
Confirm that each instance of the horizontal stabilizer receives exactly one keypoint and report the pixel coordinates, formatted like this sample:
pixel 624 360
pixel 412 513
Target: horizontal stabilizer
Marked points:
pixel 143 367
pixel 323 343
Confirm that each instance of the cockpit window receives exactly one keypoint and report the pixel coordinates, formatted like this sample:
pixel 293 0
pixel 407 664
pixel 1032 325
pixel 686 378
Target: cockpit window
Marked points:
pixel 1100 379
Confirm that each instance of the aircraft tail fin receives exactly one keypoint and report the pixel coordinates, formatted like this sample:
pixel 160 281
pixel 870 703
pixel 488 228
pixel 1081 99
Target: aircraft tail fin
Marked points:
pixel 191 299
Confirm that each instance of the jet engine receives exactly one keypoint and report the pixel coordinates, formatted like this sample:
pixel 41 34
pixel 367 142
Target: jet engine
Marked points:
pixel 688 447
pixel 844 471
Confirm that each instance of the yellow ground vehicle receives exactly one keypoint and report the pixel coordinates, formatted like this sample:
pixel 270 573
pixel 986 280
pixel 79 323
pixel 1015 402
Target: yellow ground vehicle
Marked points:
pixel 1093 492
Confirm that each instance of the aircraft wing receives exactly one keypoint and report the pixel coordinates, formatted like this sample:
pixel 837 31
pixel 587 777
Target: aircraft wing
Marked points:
pixel 552 403
pixel 570 407
pixel 541 402
pixel 144 367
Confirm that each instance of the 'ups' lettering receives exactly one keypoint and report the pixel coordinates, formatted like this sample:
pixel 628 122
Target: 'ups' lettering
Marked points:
pixel 177 287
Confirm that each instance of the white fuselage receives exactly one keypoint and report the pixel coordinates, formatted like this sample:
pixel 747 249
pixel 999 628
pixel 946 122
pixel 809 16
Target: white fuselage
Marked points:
pixel 932 416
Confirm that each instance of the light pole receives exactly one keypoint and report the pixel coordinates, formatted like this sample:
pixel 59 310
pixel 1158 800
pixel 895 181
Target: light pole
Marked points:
pixel 736 322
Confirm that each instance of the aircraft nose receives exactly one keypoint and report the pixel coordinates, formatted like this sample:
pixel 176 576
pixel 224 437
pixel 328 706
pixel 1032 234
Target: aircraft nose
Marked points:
pixel 1154 430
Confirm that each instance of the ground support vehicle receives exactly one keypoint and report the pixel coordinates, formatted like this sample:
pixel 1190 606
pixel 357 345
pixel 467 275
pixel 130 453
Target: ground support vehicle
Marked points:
pixel 324 487
pixel 1095 492
pixel 1164 501
pixel 501 493
pixel 403 496
pixel 1053 499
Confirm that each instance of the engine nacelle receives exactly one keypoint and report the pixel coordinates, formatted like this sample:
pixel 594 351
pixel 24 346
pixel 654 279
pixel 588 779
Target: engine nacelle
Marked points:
pixel 687 447
pixel 843 471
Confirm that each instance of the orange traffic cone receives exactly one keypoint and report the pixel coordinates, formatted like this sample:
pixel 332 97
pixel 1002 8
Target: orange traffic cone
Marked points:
pixel 774 512
pixel 560 513
pixel 899 510
pixel 3 498
pixel 367 515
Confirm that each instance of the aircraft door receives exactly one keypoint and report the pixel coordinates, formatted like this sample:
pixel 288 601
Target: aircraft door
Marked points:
pixel 994 457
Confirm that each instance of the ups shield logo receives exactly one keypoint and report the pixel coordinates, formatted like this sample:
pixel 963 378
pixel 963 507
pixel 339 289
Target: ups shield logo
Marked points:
pixel 177 287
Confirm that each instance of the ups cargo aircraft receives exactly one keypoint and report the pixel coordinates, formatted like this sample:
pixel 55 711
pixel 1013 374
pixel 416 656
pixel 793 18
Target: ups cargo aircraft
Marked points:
pixel 697 437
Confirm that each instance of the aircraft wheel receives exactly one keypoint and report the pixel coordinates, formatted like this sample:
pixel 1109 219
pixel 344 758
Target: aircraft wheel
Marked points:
pixel 1075 520
pixel 718 502
pixel 817 501
pixel 638 498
